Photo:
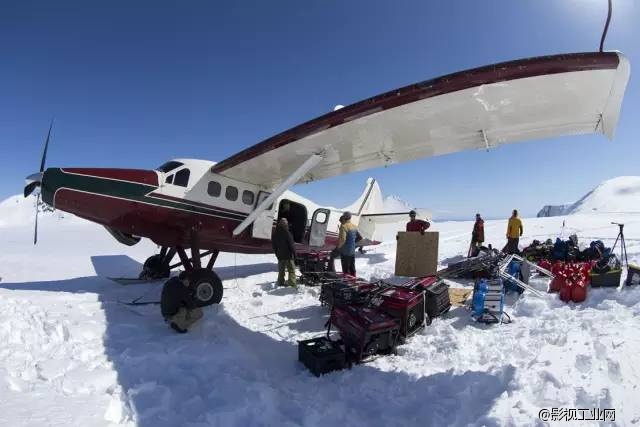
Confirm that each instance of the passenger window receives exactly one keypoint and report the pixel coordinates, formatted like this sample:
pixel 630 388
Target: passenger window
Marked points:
pixel 170 179
pixel 248 197
pixel 321 217
pixel 231 193
pixel 214 189
pixel 182 178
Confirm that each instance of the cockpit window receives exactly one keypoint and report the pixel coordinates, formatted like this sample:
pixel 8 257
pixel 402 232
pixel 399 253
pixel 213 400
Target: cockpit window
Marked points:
pixel 169 166
pixel 182 178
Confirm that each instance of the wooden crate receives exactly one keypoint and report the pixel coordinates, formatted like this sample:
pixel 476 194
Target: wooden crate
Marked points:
pixel 417 254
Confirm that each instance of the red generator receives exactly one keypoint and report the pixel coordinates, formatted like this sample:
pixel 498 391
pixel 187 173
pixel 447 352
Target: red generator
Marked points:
pixel 365 331
pixel 436 295
pixel 345 290
pixel 406 306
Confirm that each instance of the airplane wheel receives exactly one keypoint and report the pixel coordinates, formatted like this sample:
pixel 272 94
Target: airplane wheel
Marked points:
pixel 206 287
pixel 155 268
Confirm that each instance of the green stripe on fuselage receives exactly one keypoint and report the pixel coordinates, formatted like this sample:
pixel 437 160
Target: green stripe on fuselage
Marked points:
pixel 56 178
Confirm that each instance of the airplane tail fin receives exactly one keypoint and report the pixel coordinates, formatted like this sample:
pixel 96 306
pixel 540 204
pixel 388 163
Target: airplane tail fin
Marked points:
pixel 375 224
pixel 370 201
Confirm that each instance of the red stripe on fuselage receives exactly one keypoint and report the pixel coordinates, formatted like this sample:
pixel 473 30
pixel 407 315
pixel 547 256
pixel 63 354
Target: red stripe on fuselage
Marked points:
pixel 164 225
pixel 140 176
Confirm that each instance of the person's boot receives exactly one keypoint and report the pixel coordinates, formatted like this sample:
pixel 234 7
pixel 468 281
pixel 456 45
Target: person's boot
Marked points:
pixel 177 328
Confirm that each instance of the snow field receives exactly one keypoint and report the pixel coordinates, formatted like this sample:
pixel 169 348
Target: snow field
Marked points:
pixel 72 355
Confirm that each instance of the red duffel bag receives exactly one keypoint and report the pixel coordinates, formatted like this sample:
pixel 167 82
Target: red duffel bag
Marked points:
pixel 545 263
pixel 579 291
pixel 586 269
pixel 557 268
pixel 557 283
pixel 565 291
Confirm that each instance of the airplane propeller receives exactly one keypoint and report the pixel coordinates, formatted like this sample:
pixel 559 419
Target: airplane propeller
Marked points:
pixel 35 180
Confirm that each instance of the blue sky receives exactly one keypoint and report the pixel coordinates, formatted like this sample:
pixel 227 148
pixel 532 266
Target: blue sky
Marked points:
pixel 132 84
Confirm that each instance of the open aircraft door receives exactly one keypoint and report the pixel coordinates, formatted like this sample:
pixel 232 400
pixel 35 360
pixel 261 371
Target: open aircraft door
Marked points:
pixel 263 225
pixel 318 231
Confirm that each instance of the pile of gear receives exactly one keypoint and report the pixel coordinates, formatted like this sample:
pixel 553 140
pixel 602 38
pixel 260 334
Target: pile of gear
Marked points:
pixel 563 250
pixel 371 318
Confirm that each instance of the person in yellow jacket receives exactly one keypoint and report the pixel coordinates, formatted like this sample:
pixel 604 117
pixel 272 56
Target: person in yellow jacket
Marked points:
pixel 514 231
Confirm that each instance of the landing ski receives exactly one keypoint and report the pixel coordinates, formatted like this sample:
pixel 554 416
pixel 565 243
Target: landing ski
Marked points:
pixel 133 280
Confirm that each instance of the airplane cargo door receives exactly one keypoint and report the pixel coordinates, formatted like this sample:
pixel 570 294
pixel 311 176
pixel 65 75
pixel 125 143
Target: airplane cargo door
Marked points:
pixel 318 231
pixel 263 225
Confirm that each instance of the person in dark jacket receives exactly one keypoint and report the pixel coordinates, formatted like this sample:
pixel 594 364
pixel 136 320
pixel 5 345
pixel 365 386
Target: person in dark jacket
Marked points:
pixel 347 244
pixel 477 235
pixel 417 224
pixel 177 304
pixel 282 243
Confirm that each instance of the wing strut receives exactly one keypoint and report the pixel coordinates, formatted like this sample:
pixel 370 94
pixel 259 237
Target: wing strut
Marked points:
pixel 309 164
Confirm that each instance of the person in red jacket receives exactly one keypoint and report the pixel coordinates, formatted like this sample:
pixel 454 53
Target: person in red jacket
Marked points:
pixel 417 224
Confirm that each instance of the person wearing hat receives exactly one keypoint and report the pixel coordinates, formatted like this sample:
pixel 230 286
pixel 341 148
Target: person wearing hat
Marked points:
pixel 417 224
pixel 477 236
pixel 514 232
pixel 347 244
pixel 283 247
pixel 177 304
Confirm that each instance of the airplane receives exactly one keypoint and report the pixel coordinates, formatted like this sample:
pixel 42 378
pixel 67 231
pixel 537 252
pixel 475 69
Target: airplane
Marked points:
pixel 233 205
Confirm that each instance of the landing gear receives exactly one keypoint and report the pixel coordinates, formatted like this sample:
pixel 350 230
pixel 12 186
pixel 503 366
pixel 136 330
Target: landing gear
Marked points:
pixel 157 266
pixel 154 268
pixel 206 287
pixel 203 281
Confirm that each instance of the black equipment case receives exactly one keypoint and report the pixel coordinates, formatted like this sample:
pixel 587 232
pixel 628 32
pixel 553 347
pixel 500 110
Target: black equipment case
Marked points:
pixel 633 275
pixel 321 355
pixel 609 279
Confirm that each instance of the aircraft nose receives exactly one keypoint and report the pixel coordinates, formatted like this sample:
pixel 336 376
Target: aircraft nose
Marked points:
pixel 32 182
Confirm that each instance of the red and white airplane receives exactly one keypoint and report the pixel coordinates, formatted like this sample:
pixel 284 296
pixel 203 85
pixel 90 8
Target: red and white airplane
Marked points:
pixel 231 206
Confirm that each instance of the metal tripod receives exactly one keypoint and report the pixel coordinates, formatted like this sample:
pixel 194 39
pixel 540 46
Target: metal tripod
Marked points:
pixel 624 259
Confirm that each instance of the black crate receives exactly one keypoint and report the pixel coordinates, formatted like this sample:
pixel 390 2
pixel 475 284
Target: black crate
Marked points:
pixel 609 279
pixel 437 300
pixel 321 355
pixel 633 275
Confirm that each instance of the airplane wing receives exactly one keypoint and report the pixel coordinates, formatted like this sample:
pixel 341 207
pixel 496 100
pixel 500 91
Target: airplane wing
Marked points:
pixel 534 98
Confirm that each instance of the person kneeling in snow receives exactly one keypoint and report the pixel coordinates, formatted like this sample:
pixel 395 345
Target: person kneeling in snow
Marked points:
pixel 177 304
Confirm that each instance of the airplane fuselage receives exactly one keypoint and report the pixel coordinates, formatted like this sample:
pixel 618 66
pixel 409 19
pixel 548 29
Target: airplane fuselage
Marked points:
pixel 169 204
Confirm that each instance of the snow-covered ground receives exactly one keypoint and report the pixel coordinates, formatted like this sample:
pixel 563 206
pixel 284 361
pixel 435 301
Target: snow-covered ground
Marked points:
pixel 70 354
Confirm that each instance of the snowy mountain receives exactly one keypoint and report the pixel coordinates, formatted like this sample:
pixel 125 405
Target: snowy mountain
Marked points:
pixel 19 211
pixel 617 195
pixel 393 204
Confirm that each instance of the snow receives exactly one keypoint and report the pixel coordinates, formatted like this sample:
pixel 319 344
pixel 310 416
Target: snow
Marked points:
pixel 72 355
pixel 621 194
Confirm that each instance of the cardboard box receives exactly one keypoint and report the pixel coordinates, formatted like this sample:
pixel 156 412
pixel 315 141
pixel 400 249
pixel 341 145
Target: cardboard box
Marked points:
pixel 417 254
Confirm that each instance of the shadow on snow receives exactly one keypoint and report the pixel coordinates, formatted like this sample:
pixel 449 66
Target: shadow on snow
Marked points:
pixel 222 373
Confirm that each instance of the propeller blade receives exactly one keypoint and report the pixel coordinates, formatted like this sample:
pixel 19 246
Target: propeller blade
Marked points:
pixel 28 189
pixel 35 230
pixel 46 147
